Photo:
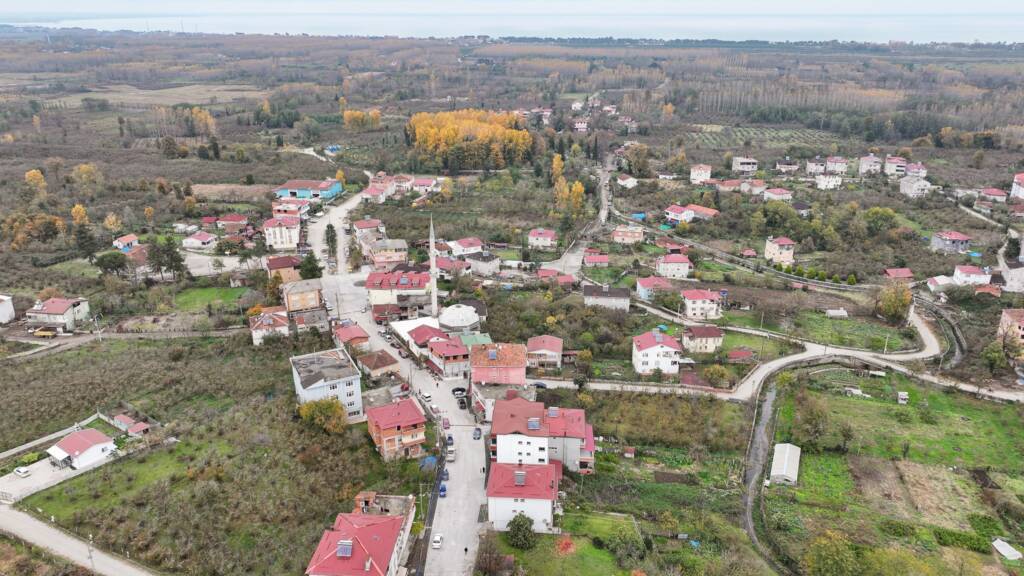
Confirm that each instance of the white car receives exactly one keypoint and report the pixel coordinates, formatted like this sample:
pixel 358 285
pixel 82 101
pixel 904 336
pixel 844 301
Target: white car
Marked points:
pixel 22 472
pixel 436 541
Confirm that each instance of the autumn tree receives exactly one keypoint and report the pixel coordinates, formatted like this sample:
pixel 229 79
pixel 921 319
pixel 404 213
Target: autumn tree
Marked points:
pixel 576 199
pixel 830 555
pixel 87 178
pixel 557 167
pixel 36 182
pixel 340 177
pixel 561 192
pixel 149 213
pixel 894 301
pixel 327 415
pixel 49 292
pixel 112 222
pixel 446 190
pixel 667 112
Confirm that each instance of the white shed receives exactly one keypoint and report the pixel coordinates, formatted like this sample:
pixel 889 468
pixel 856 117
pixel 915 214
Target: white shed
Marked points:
pixel 1005 550
pixel 785 464
pixel 6 309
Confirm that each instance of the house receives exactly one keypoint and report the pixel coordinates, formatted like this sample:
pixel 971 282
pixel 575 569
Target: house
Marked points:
pixel 466 246
pixel 527 433
pixel 129 425
pixel 916 169
pixel 407 291
pixel 199 241
pixel 271 321
pixel 785 465
pixel 779 194
pixel 836 165
pixel 595 260
pixel 576 106
pixel 802 208
pixel 828 181
pixel 285 266
pixel 312 190
pixel 647 288
pixel 983 207
pixel 282 232
pixel 380 188
pixel 350 334
pixel 379 363
pixel 703 339
pixel 302 295
pixel 614 298
pixel 293 207
pixel 744 165
pixel 542 239
pixel 727 185
pixel 675 213
pixel 787 166
pixel 914 187
pixel 1016 211
pixel 484 263
pixel 950 242
pixel 938 284
pixel 426 185
pixel 656 351
pixel 529 489
pixel 1011 325
pixel 668 176
pixel 449 358
pixel 498 364
pixel 126 242
pixel 779 250
pixel 869 165
pixel 899 275
pixel 398 429
pixel 671 246
pixel 580 125
pixel 448 268
pixel 544 352
pixel 367 225
pixel 459 318
pixel 232 223
pixel 814 167
pixel 628 234
pixel 754 187
pixel 185 228
pixel 64 314
pixel 970 276
pixel 208 222
pixel 328 374
pixel 700 173
pixel 386 254
pixel 1018 186
pixel 626 181
pixel 699 304
pixel 7 313
pixel 420 337
pixel 81 449
pixel 994 195
pixel 673 266
pixel 371 541
pixel 748 253
pixel 895 166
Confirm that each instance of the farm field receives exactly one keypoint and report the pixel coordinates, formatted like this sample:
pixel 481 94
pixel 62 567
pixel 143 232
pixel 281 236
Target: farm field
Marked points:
pixel 851 332
pixel 197 299
pixel 192 93
pixel 716 136
pixel 18 557
pixel 929 480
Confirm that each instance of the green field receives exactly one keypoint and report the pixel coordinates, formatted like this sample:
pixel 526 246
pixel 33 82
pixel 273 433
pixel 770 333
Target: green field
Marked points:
pixel 765 348
pixel 850 332
pixel 717 137
pixel 197 299
pixel 609 275
pixel 11 347
pixel 545 560
pixel 78 267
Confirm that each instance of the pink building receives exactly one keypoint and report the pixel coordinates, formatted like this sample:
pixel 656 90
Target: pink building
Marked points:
pixel 498 364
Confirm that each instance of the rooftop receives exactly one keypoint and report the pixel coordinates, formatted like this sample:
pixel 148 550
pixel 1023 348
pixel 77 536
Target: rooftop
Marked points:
pixel 405 413
pixel 377 360
pixel 544 343
pixel 323 366
pixel 655 338
pixel 357 544
pixel 521 416
pixel 593 291
pixel 532 481
pixel 498 355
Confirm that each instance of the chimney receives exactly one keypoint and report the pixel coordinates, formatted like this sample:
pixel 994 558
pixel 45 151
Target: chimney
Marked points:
pixel 366 567
pixel 344 548
pixel 520 477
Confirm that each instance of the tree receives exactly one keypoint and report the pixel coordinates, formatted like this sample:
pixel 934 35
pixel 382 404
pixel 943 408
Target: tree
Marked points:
pixel 994 356
pixel 79 216
pixel 87 177
pixel 893 301
pixel 520 532
pixel 580 381
pixel 327 414
pixel 35 180
pixel 273 288
pixel 331 238
pixel 576 199
pixel 310 267
pixel 149 213
pixel 446 189
pixel 977 160
pixel 811 420
pixel 340 177
pixel 49 292
pixel 112 222
pixel 830 555
pixel 557 167
pixel 717 375
pixel 85 243
pixel 667 111
pixel 113 262
pixel 626 545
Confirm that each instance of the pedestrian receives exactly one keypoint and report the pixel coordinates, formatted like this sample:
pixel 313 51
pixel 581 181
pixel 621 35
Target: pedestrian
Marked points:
pixel 465 550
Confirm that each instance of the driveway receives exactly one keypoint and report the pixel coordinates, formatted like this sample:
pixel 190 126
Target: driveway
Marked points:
pixel 43 475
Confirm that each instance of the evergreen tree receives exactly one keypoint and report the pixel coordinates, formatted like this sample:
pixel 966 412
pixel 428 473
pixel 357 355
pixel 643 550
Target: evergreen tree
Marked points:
pixel 85 243
pixel 310 267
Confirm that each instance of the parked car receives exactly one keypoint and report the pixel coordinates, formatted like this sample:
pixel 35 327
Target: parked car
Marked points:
pixel 451 440
pixel 436 541
pixel 540 385
pixel 435 409
pixel 427 397
pixel 402 353
pixel 476 433
pixel 463 404
pixel 444 475
pixel 443 491
pixel 458 392
pixel 22 472
pixel 450 455
pixel 446 423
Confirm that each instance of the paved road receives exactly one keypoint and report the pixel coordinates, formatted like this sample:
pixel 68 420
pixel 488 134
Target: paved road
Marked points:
pixel 61 544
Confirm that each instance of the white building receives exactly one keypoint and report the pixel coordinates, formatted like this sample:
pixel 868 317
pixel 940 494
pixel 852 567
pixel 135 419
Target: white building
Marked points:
pixel 81 449
pixel 744 165
pixel 466 246
pixel 271 321
pixel 627 181
pixel 525 432
pixel 328 374
pixel 914 186
pixel 785 464
pixel 282 232
pixel 654 351
pixel 815 166
pixel 700 173
pixel 673 266
pixel 780 250
pixel 604 296
pixel 542 239
pixel 836 165
pixel 916 169
pixel 701 304
pixel 703 339
pixel 869 165
pixel 777 194
pixel 1018 186
pixel 527 489
pixel 970 276
pixel 895 166
pixel 201 240
pixel 675 213
pixel 6 309
pixel 828 181
pixel 64 314
pixel 544 352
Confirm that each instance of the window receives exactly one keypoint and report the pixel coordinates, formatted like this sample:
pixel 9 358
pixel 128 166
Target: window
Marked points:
pixel 541 448
pixel 332 387
pixel 350 394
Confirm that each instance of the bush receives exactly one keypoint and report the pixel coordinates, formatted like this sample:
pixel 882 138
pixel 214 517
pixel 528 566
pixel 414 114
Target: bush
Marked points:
pixel 520 532
pixel 598 542
pixel 986 526
pixel 897 528
pixel 965 540
pixel 627 546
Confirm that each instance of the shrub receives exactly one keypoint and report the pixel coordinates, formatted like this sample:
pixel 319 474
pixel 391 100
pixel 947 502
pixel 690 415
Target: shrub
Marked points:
pixel 965 540
pixel 520 532
pixel 897 528
pixel 626 545
pixel 986 526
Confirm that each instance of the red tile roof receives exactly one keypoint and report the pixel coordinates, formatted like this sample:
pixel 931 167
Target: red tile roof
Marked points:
pixel 512 417
pixel 994 192
pixel 654 283
pixel 991 289
pixel 542 233
pixel 344 334
pixel 202 236
pixel 55 306
pixel 282 221
pixel 699 294
pixel 541 482
pixel 448 348
pixel 281 262
pixel 778 192
pixel 269 318
pixel 79 441
pixel 366 223
pixel 704 332
pixel 544 343
pixel 471 242
pixel 546 273
pixel 1019 179
pixel 373 542
pixel 404 413
pixel 972 270
pixel 656 338
pixel 674 259
pixel 595 259
pixel 305 184
pixel 378 359
pixel 783 241
pixel 397 280
pixel 899 273
pixel 505 355
pixel 232 218
pixel 702 210
pixel 952 235
pixel 423 334
pixel 127 239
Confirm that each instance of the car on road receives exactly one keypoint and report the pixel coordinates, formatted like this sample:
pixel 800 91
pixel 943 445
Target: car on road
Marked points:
pixel 444 475
pixel 450 455
pixel 435 409
pixel 22 472
pixel 446 423
pixel 463 404
pixel 477 433
pixel 402 353
pixel 450 440
pixel 540 385
pixel 458 392
pixel 436 541
pixel 443 491
pixel 427 397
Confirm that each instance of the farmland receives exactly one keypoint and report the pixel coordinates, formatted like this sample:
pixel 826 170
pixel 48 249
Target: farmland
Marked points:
pixel 718 137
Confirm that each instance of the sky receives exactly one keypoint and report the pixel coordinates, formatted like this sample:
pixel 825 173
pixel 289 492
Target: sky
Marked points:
pixel 775 20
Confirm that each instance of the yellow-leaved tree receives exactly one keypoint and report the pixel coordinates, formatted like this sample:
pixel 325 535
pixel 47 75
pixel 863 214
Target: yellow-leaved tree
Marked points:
pixel 79 216
pixel 149 213
pixel 340 176
pixel 576 199
pixel 112 222
pixel 35 180
pixel 557 167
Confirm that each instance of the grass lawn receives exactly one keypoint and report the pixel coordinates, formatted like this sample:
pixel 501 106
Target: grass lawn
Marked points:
pixel 850 332
pixel 594 524
pixel 196 299
pixel 544 559
pixel 102 426
pixel 507 253
pixel 746 319
pixel 608 275
pixel 78 267
pixel 766 348
pixel 10 347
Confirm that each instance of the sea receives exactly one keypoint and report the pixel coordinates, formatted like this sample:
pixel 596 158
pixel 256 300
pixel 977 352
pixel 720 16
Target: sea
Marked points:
pixel 876 27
